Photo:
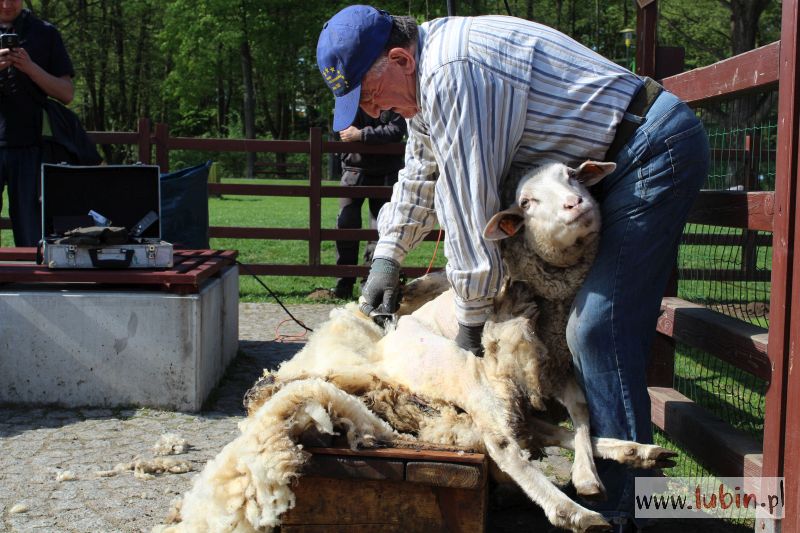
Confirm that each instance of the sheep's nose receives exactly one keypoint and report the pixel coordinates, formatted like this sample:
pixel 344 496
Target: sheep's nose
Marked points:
pixel 573 201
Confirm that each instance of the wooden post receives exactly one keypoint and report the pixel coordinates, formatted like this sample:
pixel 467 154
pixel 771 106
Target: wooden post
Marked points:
pixel 145 152
pixel 162 148
pixel 749 237
pixel 661 370
pixel 646 38
pixel 782 410
pixel 315 196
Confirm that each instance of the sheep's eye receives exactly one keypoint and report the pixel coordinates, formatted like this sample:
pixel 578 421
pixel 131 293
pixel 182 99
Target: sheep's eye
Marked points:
pixel 524 204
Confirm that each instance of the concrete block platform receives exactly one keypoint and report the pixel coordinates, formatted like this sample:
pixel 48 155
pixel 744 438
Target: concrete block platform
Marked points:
pixel 79 346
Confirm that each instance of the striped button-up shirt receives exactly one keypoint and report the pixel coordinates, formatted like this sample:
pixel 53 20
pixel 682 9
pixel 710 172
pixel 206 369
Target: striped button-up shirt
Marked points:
pixel 493 92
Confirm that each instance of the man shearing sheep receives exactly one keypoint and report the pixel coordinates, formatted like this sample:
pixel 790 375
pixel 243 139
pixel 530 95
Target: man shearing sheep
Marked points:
pixel 483 95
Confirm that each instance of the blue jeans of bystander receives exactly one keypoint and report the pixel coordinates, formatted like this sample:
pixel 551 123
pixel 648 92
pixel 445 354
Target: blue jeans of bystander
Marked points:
pixel 644 205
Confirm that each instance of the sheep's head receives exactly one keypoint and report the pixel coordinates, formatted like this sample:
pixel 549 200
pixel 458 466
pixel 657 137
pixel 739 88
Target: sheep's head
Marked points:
pixel 556 210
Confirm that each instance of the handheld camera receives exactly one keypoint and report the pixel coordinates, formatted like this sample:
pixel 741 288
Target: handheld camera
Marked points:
pixel 9 40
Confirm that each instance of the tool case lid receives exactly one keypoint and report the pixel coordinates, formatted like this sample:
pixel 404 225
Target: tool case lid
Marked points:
pixel 123 194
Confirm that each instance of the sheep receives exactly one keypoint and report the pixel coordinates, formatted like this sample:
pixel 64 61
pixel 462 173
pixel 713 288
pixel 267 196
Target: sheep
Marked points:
pixel 415 376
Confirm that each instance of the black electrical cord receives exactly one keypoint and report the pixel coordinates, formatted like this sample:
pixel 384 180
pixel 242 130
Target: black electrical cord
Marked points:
pixel 250 273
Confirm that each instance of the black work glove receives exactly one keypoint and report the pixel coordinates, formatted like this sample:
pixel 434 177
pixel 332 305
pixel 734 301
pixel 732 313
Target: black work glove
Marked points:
pixel 469 338
pixel 380 292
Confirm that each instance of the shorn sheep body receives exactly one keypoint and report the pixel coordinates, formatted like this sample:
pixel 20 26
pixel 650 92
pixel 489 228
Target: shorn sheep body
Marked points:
pixel 412 383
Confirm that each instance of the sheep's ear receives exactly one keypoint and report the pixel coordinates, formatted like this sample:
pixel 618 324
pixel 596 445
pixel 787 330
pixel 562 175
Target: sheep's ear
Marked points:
pixel 591 172
pixel 504 224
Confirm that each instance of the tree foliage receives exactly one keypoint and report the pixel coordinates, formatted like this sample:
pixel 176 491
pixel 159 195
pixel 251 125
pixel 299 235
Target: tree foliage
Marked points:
pixel 246 68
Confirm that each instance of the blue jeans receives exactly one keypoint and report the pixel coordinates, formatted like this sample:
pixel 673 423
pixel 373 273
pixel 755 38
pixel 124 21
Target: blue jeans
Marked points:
pixel 19 170
pixel 612 324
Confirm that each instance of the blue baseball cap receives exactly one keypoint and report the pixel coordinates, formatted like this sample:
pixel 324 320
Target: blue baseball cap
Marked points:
pixel 348 45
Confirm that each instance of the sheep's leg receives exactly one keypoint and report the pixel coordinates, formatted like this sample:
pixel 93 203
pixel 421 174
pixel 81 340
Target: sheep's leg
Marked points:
pixel 584 473
pixel 560 510
pixel 626 452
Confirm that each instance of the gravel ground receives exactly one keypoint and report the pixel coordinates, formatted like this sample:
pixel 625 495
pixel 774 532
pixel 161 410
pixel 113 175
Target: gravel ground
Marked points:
pixel 49 457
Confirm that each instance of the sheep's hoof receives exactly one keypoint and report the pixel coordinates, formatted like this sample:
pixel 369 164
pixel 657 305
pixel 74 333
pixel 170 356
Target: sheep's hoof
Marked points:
pixel 662 457
pixel 593 523
pixel 657 457
pixel 592 491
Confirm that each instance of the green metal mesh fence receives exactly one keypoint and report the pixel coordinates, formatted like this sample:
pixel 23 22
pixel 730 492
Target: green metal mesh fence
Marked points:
pixel 728 270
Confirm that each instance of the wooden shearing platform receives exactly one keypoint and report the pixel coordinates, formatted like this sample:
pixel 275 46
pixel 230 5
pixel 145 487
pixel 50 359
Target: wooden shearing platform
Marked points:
pixel 191 268
pixel 390 490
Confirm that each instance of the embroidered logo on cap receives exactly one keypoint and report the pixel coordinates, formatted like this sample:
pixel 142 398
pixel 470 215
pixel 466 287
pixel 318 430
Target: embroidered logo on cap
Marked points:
pixel 334 78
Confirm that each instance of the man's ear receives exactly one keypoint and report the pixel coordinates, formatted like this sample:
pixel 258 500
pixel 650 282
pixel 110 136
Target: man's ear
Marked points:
pixel 403 58
pixel 504 224
pixel 591 172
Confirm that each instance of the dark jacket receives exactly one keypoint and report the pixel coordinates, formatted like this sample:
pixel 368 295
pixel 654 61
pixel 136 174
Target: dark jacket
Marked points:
pixel 389 127
pixel 69 142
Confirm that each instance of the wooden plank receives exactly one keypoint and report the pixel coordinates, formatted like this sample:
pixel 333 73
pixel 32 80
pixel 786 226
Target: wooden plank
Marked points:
pixel 298 234
pixel 782 424
pixel 735 209
pixel 661 368
pixel 18 254
pixel 299 191
pixel 368 505
pixel 143 141
pixel 646 37
pixel 114 137
pixel 315 198
pixel 161 140
pixel 726 274
pixel 405 454
pixel 736 342
pixel 756 70
pixel 710 239
pixel 340 147
pixel 191 268
pixel 463 511
pixel 265 269
pixel 237 145
pixel 718 446
pixel 356 191
pixel 445 474
pixel 238 232
pixel 338 467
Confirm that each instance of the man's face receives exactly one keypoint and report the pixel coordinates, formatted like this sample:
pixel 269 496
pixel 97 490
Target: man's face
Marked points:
pixel 10 10
pixel 395 88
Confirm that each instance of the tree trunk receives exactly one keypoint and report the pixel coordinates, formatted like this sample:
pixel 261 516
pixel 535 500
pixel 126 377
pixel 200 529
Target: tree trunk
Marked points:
pixel 119 48
pixel 249 101
pixel 222 120
pixel 559 9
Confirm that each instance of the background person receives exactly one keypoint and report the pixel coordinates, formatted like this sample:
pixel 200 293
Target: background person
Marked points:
pixel 370 170
pixel 39 67
pixel 488 93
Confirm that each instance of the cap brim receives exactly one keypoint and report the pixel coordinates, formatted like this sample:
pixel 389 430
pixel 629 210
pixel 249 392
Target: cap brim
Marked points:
pixel 345 109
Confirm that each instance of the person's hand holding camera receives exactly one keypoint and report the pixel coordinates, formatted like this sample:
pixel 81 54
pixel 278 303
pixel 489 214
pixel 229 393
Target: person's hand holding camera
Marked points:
pixel 21 61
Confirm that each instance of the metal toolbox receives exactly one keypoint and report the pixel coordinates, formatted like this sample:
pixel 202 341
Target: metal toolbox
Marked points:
pixel 128 196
